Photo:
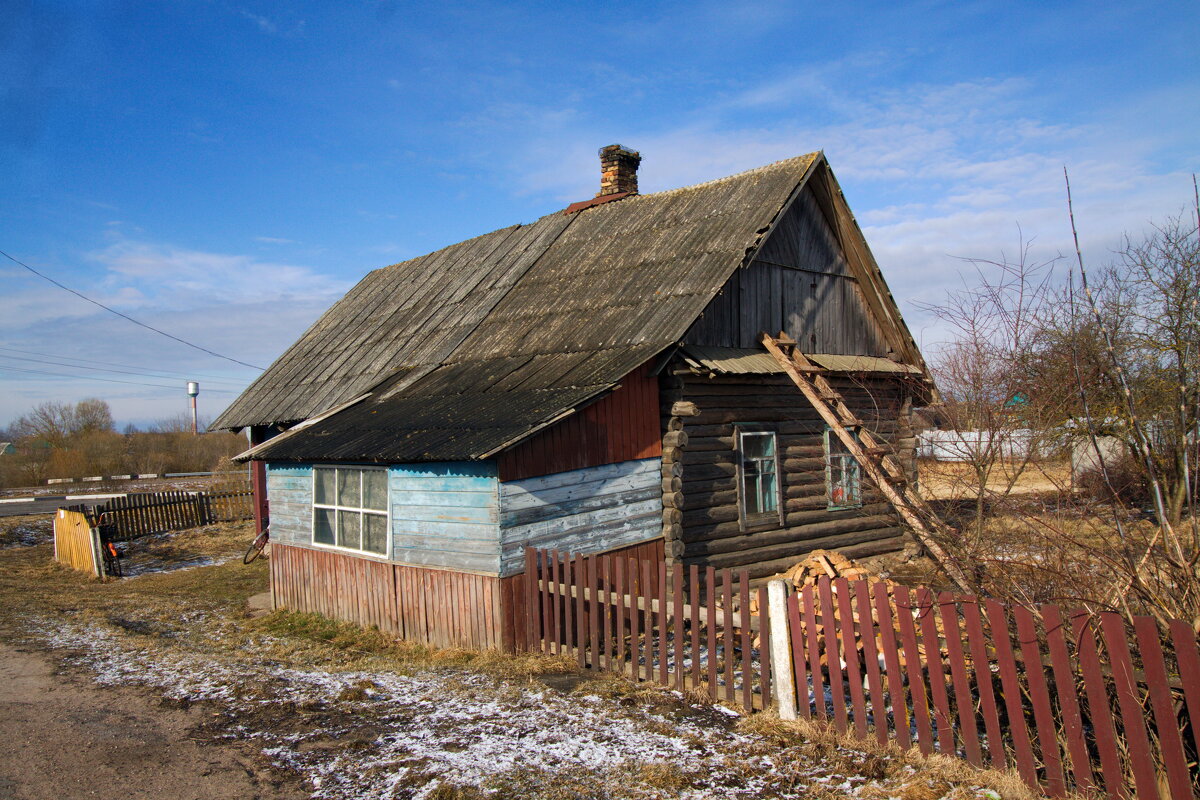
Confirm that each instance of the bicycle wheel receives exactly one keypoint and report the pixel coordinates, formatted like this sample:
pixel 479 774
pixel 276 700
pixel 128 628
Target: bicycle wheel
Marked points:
pixel 256 547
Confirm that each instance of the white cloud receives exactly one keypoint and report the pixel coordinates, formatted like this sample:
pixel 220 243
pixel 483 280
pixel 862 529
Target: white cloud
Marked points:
pixel 274 27
pixel 264 24
pixel 232 304
pixel 178 277
pixel 934 173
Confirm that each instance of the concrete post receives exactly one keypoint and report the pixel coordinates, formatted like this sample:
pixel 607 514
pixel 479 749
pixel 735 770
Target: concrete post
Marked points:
pixel 783 682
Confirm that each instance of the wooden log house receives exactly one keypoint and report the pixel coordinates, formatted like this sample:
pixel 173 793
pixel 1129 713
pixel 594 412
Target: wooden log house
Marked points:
pixel 591 382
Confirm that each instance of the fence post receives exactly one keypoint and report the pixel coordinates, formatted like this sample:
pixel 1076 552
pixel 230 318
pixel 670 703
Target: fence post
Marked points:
pixel 781 650
pixel 97 551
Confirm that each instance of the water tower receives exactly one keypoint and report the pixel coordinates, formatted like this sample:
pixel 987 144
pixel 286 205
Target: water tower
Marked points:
pixel 193 389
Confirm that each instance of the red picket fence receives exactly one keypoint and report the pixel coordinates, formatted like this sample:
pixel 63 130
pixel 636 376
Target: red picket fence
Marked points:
pixel 647 622
pixel 1061 697
pixel 1074 701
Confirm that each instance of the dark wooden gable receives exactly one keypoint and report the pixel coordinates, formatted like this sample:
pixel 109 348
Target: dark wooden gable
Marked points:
pixel 799 281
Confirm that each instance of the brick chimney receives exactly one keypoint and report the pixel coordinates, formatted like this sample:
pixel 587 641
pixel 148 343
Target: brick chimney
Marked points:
pixel 618 170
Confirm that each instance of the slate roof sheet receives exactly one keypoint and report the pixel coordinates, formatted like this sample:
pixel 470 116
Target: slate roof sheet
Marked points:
pixel 469 349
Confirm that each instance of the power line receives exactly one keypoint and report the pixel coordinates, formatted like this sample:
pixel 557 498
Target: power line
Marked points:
pixel 6 368
pixel 125 316
pixel 143 373
pixel 193 375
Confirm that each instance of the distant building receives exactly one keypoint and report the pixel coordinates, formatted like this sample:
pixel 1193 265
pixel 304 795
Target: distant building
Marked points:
pixel 7 449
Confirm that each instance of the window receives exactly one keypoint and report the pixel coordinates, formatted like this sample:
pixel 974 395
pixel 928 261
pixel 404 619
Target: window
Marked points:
pixel 758 466
pixel 843 478
pixel 350 508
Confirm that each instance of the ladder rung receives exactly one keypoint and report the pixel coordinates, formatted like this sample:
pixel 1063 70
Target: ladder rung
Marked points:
pixel 877 451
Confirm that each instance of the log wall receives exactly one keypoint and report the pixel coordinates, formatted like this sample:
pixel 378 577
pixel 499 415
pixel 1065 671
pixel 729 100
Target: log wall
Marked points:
pixel 701 523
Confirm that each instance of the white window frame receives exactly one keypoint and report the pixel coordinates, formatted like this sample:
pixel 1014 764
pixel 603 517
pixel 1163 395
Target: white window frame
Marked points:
pixel 844 459
pixel 747 517
pixel 336 507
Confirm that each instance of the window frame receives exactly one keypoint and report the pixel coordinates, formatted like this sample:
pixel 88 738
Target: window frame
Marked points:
pixel 337 507
pixel 757 519
pixel 846 457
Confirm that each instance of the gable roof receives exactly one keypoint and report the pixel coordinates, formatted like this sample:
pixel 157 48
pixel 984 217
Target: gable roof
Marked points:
pixel 463 352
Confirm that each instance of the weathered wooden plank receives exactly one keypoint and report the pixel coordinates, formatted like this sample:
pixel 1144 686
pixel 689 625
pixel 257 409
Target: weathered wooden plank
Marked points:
pixel 410 498
pixel 892 670
pixel 1133 721
pixel 1010 681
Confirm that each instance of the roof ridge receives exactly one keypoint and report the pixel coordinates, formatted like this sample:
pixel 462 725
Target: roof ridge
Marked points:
pixel 804 159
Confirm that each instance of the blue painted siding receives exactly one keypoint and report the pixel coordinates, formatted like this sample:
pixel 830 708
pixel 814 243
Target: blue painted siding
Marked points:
pixel 289 491
pixel 459 516
pixel 446 515
pixel 583 511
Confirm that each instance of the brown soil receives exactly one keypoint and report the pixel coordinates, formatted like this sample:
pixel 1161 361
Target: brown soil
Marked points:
pixel 67 737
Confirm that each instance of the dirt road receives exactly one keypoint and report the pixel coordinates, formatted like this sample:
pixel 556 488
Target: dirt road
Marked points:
pixel 65 737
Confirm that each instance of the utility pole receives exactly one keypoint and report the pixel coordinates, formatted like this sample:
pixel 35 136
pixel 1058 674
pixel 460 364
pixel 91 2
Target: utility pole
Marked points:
pixel 193 389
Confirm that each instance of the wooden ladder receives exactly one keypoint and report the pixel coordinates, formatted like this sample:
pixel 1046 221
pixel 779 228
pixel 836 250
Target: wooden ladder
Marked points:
pixel 875 456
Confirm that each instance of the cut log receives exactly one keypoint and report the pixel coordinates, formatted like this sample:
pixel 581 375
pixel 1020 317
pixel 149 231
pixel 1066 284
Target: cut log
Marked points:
pixel 684 408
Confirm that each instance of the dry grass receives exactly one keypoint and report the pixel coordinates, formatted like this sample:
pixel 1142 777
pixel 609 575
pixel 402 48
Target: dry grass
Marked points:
pixel 954 480
pixel 911 775
pixel 26 531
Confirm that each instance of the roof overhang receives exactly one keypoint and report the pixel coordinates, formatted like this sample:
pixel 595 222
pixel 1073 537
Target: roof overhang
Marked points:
pixel 737 361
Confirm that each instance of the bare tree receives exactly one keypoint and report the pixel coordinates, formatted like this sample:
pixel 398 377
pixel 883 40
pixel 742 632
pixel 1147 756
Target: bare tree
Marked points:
pixel 999 419
pixel 56 423
pixel 1116 353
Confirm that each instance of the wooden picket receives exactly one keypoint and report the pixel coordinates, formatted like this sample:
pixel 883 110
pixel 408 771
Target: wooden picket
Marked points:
pixel 1073 704
pixel 136 515
pixel 1073 701
pixel 694 631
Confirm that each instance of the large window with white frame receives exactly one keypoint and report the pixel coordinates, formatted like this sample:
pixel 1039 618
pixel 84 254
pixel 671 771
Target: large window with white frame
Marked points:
pixel 350 508
pixel 843 474
pixel 758 474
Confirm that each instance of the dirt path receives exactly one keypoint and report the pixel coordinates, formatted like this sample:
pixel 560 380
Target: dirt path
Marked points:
pixel 64 736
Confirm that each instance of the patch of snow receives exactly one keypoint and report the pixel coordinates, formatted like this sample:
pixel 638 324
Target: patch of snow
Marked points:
pixel 411 732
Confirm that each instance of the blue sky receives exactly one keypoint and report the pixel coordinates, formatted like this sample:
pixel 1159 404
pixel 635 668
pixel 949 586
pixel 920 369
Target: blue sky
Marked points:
pixel 224 171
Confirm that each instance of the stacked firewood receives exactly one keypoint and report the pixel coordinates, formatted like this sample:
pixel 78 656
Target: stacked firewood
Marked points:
pixel 825 563
pixel 831 564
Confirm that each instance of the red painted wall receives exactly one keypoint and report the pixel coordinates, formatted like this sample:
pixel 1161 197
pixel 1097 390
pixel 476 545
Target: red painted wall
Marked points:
pixel 621 427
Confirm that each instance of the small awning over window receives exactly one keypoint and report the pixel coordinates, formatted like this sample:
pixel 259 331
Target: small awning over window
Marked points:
pixel 735 361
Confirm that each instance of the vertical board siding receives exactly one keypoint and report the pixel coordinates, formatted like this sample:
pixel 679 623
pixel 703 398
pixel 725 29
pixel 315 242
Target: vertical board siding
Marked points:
pixel 799 282
pixel 445 515
pixel 584 511
pixel 441 608
pixel 620 427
